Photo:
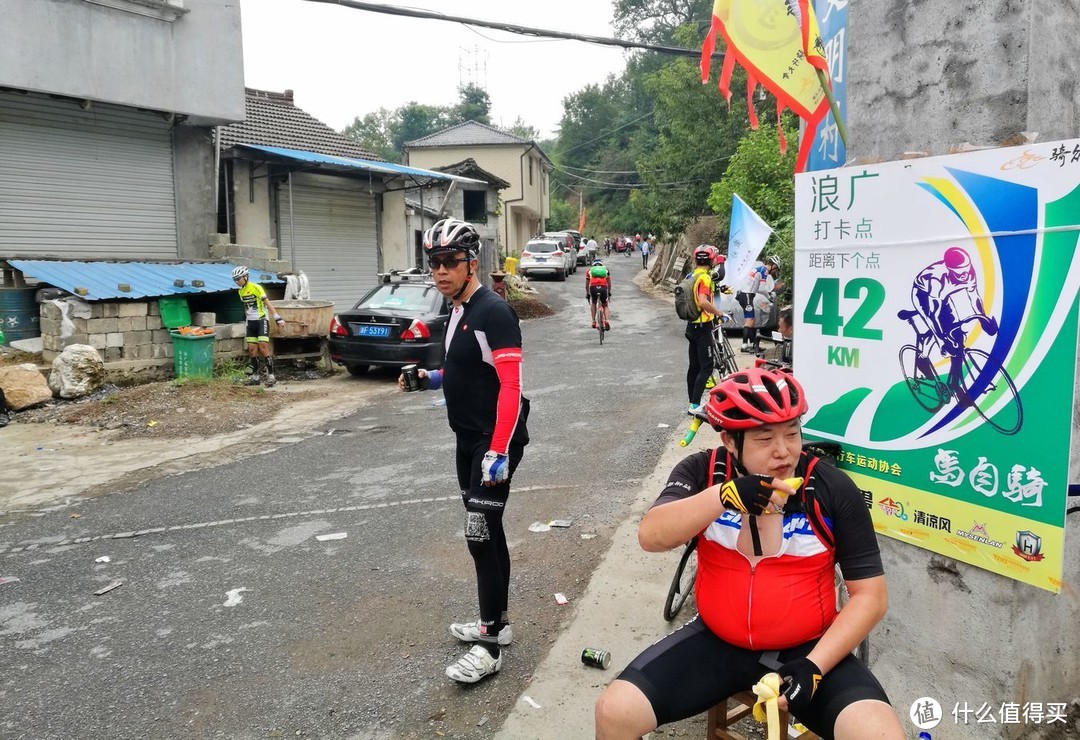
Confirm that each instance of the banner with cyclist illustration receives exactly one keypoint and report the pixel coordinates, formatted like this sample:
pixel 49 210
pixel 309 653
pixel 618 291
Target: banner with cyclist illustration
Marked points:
pixel 936 335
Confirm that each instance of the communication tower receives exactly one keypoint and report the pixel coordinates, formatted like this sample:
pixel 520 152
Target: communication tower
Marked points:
pixel 472 67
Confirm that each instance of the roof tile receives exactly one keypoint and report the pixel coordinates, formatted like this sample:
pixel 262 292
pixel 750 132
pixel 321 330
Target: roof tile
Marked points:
pixel 273 120
pixel 466 134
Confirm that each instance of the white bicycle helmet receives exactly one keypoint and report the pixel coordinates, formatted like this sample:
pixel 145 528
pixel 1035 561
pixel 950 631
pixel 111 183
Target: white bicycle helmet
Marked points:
pixel 239 272
pixel 452 235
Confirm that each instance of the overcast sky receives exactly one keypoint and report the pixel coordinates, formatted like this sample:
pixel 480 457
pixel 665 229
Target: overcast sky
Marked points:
pixel 342 63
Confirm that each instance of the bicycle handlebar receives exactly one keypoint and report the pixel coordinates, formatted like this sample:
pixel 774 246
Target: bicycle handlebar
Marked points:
pixel 695 424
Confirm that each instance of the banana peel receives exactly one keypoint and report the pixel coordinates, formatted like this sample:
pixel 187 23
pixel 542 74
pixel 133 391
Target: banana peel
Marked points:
pixel 766 708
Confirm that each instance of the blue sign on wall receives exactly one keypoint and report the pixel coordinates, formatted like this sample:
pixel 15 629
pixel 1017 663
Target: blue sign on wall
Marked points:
pixel 828 150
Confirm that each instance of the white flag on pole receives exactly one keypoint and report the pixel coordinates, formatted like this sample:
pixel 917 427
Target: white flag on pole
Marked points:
pixel 747 238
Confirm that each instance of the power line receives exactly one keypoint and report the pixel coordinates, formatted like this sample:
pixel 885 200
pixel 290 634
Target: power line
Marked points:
pixel 512 28
pixel 601 185
pixel 605 134
pixel 630 172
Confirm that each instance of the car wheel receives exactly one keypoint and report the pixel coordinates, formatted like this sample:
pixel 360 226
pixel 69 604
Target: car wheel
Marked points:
pixel 560 275
pixel 357 370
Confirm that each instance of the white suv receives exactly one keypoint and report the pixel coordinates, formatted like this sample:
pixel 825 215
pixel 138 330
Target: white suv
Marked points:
pixel 545 257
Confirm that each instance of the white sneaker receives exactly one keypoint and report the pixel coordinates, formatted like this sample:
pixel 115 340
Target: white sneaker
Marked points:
pixel 693 409
pixel 474 665
pixel 470 632
pixel 269 380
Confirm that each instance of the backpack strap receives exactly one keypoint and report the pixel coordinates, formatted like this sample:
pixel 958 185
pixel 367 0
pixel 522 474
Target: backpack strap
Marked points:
pixel 718 468
pixel 712 467
pixel 815 513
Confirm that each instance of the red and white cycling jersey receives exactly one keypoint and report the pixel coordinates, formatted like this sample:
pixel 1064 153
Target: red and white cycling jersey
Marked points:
pixel 788 598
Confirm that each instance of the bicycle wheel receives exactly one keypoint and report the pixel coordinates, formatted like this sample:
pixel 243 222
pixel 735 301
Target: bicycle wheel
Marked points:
pixel 729 364
pixel 600 328
pixel 929 393
pixel 683 583
pixel 1010 417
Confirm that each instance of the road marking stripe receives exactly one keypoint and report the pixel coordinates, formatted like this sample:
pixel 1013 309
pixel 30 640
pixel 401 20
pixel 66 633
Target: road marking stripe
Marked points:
pixel 47 542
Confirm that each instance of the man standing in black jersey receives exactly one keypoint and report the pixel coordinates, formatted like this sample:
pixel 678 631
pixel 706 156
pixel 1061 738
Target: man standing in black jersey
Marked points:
pixel 481 381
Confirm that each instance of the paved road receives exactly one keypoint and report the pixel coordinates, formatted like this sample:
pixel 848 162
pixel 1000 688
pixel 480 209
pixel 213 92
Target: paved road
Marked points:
pixel 233 620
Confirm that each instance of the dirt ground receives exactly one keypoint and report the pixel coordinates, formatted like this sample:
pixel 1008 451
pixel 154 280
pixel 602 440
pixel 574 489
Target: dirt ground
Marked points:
pixel 190 408
pixel 167 409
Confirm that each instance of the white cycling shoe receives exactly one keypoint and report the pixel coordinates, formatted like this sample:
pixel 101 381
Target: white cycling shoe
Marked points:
pixel 470 632
pixel 474 665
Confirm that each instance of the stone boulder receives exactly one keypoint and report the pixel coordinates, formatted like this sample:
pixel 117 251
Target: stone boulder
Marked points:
pixel 24 386
pixel 77 371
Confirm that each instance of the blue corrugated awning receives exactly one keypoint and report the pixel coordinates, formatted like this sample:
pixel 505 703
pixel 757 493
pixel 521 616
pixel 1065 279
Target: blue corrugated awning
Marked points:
pixel 384 168
pixel 105 280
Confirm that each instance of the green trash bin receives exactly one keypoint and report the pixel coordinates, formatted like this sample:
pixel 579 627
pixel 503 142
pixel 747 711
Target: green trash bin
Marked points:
pixel 193 355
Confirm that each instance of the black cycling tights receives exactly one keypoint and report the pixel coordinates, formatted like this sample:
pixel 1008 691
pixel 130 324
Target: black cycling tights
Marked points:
pixel 487 544
pixel 701 363
pixel 484 531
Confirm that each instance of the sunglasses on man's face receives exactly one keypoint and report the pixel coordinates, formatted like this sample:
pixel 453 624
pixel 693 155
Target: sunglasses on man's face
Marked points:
pixel 448 262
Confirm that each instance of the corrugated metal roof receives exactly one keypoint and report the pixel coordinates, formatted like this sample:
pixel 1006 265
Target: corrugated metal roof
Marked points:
pixel 102 280
pixel 272 119
pixel 386 168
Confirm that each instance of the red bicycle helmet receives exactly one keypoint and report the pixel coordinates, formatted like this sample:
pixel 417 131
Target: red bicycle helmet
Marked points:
pixel 755 397
pixel 705 254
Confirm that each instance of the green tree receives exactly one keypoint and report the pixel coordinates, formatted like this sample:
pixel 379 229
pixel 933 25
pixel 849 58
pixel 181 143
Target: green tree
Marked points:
pixel 475 105
pixel 415 121
pixel 520 128
pixel 765 179
pixel 657 21
pixel 373 132
pixel 563 216
pixel 696 132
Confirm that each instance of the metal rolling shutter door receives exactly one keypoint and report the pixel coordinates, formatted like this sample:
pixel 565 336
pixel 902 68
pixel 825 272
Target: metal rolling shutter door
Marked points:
pixel 85 183
pixel 336 241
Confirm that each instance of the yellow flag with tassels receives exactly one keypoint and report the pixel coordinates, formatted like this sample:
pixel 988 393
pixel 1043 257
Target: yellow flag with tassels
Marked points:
pixel 779 44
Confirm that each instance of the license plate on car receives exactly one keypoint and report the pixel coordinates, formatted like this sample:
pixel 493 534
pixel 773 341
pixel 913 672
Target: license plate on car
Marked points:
pixel 541 259
pixel 373 331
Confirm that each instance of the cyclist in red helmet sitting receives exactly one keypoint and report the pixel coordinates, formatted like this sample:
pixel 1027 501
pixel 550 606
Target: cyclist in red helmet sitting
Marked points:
pixel 767 546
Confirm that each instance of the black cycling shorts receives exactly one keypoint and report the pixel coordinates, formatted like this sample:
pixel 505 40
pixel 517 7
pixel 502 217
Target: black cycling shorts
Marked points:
pixel 468 458
pixel 746 300
pixel 598 293
pixel 258 330
pixel 692 669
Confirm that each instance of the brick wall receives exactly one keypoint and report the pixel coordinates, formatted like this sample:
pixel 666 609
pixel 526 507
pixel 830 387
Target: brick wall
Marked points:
pixel 129 336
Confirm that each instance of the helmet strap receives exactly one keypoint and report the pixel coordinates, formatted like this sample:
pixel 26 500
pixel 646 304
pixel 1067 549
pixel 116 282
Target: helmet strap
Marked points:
pixel 468 280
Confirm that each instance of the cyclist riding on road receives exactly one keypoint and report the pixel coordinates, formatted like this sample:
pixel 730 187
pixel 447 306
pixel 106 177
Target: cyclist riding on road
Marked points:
pixel 767 547
pixel 946 295
pixel 598 290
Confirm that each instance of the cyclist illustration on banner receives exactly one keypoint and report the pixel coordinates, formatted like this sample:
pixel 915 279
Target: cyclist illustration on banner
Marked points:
pixel 948 307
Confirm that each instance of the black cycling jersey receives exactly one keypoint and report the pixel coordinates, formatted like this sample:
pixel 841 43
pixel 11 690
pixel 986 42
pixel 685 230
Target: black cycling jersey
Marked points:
pixel 843 508
pixel 480 327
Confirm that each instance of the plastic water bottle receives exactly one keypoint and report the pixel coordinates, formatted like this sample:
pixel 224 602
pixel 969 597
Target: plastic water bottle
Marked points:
pixel 438 402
